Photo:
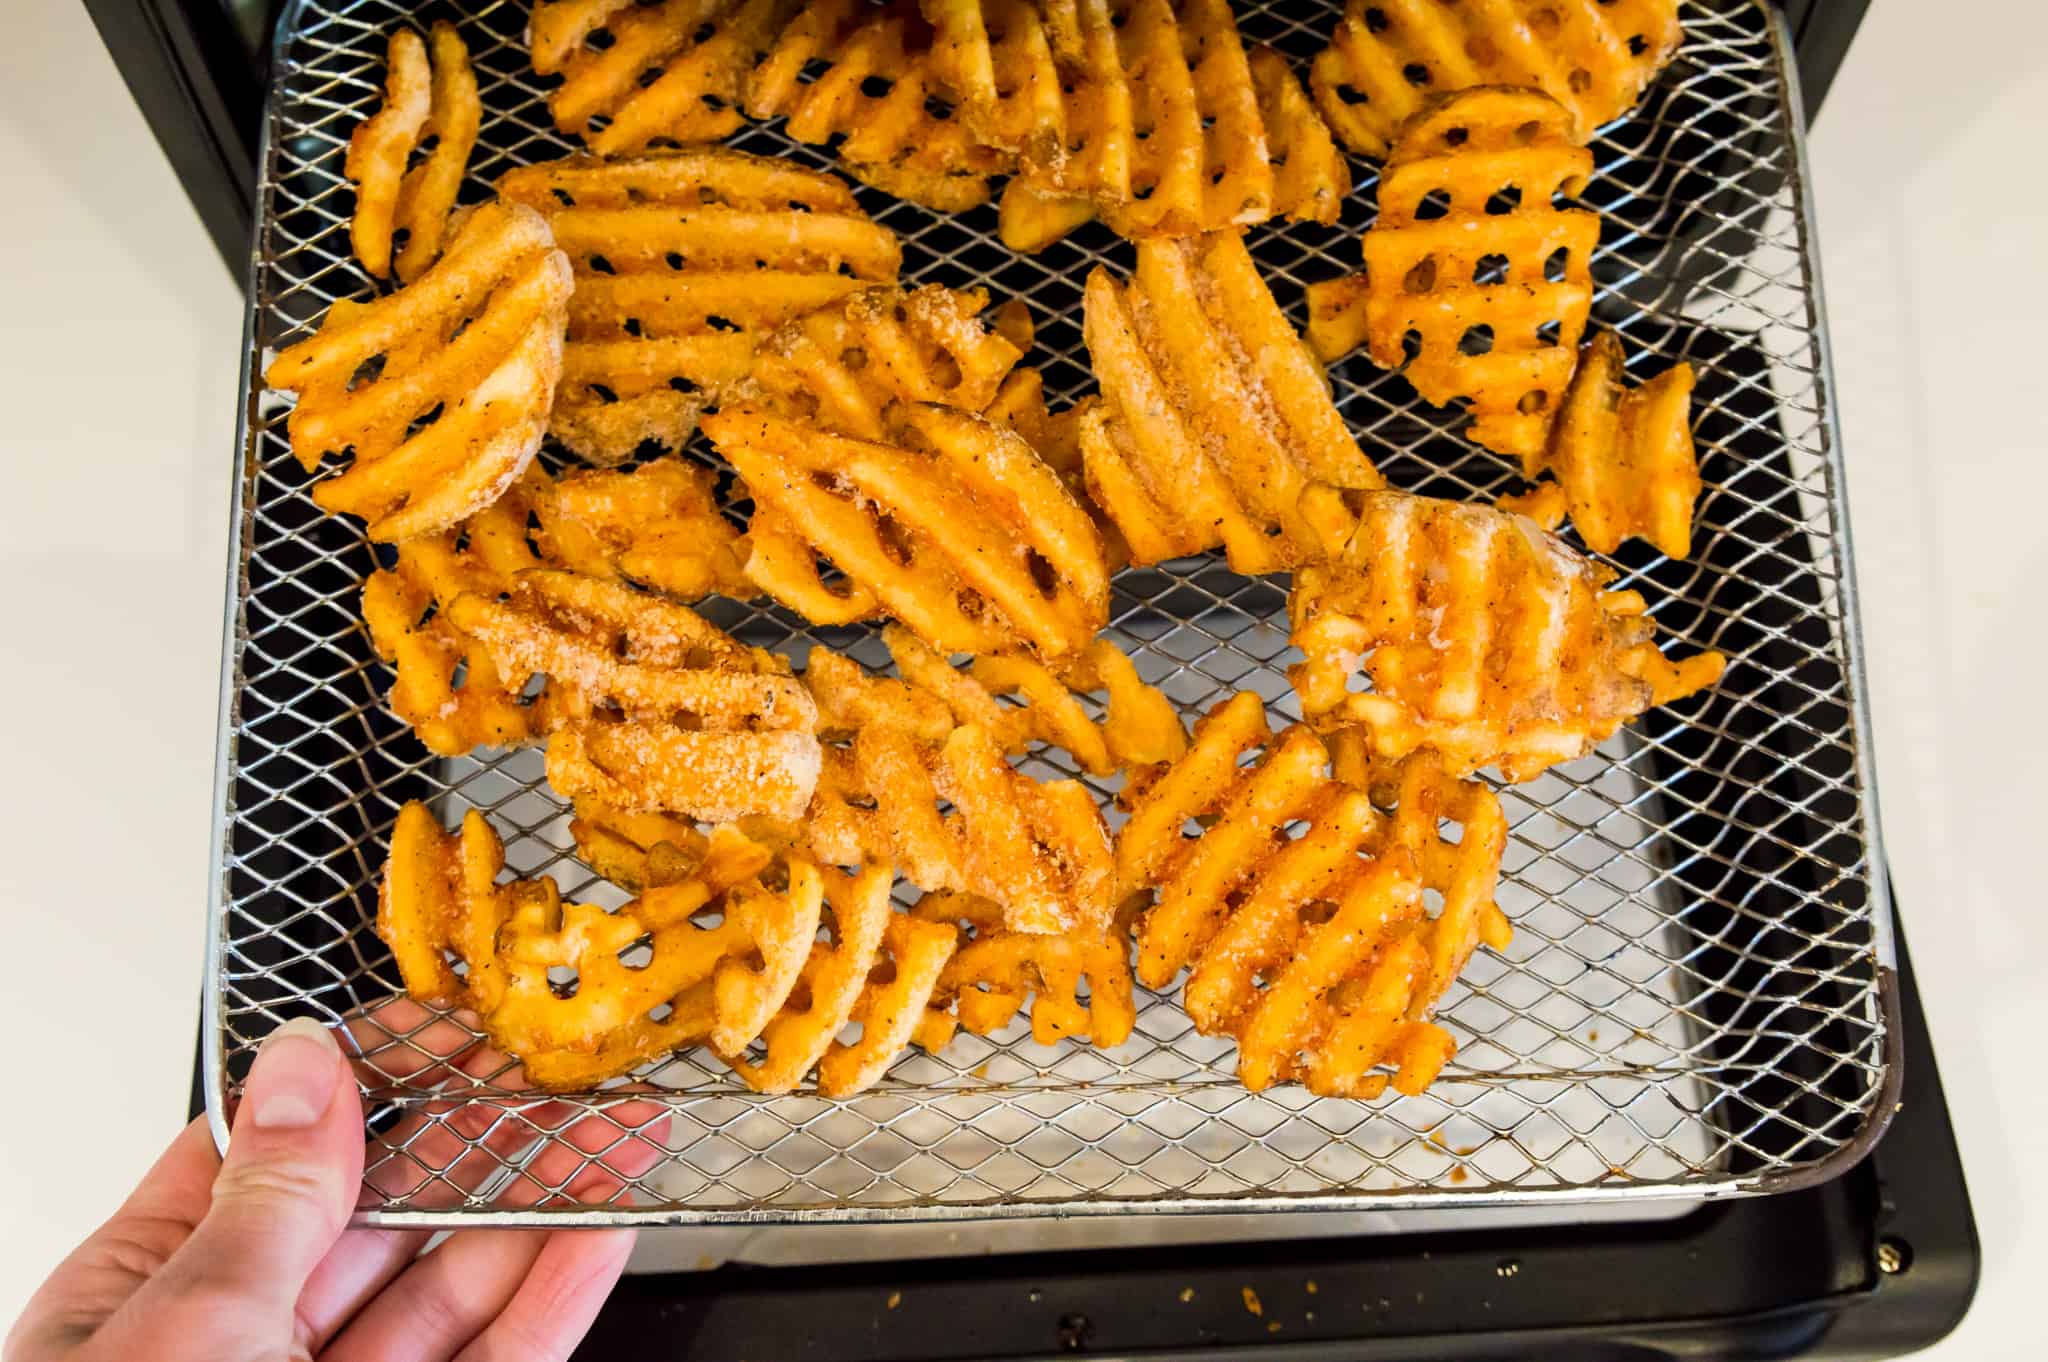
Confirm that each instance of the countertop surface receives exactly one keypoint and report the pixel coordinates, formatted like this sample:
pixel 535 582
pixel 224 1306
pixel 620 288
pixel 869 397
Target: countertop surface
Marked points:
pixel 118 355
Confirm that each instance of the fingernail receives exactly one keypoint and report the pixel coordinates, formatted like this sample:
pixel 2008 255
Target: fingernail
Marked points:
pixel 293 1078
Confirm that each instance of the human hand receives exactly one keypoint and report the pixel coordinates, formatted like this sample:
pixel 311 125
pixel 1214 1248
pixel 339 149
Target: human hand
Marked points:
pixel 250 1257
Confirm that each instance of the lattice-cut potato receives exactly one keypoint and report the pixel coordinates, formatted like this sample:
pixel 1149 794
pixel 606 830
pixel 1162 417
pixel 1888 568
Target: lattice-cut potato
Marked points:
pixel 1622 457
pixel 1214 416
pixel 439 393
pixel 1299 909
pixel 960 531
pixel 425 102
pixel 649 978
pixel 880 100
pixel 657 526
pixel 1487 298
pixel 1485 639
pixel 995 973
pixel 859 366
pixel 654 707
pixel 684 264
pixel 1388 57
pixel 637 75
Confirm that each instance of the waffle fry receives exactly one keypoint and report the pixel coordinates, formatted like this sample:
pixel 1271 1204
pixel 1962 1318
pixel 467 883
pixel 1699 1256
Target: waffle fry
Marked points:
pixel 1622 457
pixel 1484 638
pixel 656 709
pixel 1315 951
pixel 657 526
pixel 422 105
pixel 880 98
pixel 1310 178
pixel 441 390
pixel 992 976
pixel 1464 298
pixel 891 1007
pixel 1213 417
pixel 1594 57
pixel 1141 727
pixel 683 264
pixel 447 687
pixel 828 984
pixel 380 145
pixel 970 540
pixel 635 76
pixel 1040 850
pixel 440 901
pixel 855 368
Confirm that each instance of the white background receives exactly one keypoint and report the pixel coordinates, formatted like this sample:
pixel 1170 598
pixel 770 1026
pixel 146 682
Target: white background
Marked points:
pixel 118 352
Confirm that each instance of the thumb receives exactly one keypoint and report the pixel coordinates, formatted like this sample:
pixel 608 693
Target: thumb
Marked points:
pixel 283 1196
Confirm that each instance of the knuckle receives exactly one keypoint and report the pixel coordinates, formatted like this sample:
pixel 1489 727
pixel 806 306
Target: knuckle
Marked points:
pixel 273 1181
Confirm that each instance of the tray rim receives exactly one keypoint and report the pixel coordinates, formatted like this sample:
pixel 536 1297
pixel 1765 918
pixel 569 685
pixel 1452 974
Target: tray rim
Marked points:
pixel 1876 1118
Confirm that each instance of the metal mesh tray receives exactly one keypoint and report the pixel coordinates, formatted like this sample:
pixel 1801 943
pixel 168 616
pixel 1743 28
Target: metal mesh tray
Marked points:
pixel 1698 999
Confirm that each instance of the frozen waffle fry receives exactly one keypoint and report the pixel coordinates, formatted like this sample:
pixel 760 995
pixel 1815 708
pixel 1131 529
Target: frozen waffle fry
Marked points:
pixel 1140 728
pixel 880 99
pixel 604 646
pixel 380 146
pixel 683 265
pixel 1310 178
pixel 441 391
pixel 968 539
pixel 640 851
pixel 995 973
pixel 892 1006
pixel 1487 300
pixel 1387 57
pixel 828 985
pixel 1149 113
pixel 1313 947
pixel 655 709
pixel 446 685
pixel 440 903
pixel 636 75
pixel 1040 850
pixel 1622 457
pixel 856 367
pixel 1484 638
pixel 657 526
pixel 1213 416
pixel 434 114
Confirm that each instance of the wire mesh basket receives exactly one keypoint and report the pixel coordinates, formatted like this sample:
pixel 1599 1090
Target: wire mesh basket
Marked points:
pixel 1698 999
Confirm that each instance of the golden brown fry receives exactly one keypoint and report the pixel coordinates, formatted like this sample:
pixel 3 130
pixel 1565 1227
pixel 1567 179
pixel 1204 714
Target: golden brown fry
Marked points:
pixel 993 975
pixel 1484 638
pixel 1141 727
pixel 1214 416
pixel 970 540
pixel 655 708
pixel 447 687
pixel 657 526
pixel 1038 849
pixel 828 986
pixel 856 367
pixel 1310 177
pixel 684 264
pixel 442 390
pixel 440 898
pixel 634 76
pixel 1244 902
pixel 881 98
pixel 1622 457
pixel 426 196
pixel 378 148
pixel 891 1007
pixel 1387 57
pixel 1471 291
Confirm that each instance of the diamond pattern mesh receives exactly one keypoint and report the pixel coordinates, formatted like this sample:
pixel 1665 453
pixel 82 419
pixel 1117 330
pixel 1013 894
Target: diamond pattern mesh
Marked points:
pixel 1696 993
